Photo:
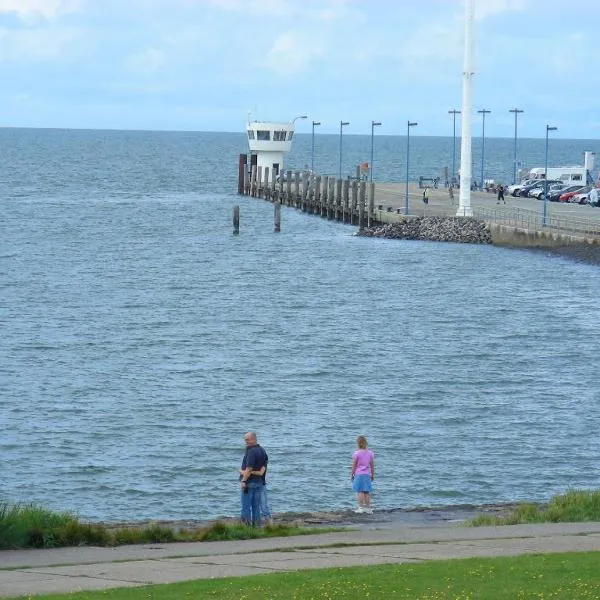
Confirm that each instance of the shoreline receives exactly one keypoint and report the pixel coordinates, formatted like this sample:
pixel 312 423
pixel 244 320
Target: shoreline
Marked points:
pixel 382 518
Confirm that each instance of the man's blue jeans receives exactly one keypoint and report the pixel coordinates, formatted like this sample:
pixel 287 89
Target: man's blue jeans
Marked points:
pixel 251 503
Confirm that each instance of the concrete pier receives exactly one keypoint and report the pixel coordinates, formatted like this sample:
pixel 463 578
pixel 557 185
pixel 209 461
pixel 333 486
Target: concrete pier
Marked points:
pixel 516 222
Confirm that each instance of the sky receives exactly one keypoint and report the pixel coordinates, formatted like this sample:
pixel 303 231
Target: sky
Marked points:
pixel 209 65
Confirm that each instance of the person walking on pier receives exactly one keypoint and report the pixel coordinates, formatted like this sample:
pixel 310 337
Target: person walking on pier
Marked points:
pixel 451 194
pixel 500 194
pixel 255 460
pixel 362 474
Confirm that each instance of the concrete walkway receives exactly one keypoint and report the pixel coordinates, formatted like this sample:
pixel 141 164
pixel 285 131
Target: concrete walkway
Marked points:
pixel 30 572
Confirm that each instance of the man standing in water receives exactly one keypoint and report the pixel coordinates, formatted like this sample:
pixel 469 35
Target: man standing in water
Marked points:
pixel 255 458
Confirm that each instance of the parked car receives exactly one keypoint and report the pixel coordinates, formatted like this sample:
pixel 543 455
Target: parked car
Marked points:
pixel 539 192
pixel 515 188
pixel 581 197
pixel 539 183
pixel 566 197
pixel 554 196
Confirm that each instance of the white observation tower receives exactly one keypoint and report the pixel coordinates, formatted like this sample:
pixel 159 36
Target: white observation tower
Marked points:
pixel 269 141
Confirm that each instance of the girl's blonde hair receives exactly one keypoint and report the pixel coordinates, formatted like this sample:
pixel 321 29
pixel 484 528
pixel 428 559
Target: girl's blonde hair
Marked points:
pixel 361 440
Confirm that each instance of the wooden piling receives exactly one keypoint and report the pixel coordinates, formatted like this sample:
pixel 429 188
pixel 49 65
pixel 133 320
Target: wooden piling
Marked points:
pixel 247 181
pixel 253 181
pixel 280 198
pixel 304 194
pixel 273 188
pixel 346 201
pixel 243 161
pixel 371 215
pixel 236 219
pixel 331 198
pixel 354 208
pixel 317 195
pixel 324 195
pixel 361 204
pixel 296 188
pixel 277 217
pixel 288 187
pixel 266 187
pixel 259 171
pixel 338 199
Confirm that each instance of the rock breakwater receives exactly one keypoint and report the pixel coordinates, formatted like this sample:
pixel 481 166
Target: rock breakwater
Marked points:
pixel 462 230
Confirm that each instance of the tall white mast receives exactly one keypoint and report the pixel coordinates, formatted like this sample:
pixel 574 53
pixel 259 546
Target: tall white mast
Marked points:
pixel 464 202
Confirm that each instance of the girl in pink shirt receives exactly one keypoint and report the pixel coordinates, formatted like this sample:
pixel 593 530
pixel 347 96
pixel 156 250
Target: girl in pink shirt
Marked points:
pixel 363 474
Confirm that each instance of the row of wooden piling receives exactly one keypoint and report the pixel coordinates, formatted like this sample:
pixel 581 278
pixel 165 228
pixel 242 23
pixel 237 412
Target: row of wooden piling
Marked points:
pixel 345 200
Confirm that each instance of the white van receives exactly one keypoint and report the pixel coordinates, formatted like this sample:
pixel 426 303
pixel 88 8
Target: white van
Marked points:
pixel 568 175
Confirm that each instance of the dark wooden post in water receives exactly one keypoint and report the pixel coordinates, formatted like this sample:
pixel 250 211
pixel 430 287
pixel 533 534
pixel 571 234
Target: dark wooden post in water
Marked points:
pixel 371 204
pixel 354 208
pixel 236 219
pixel 253 181
pixel 266 187
pixel 304 197
pixel 324 196
pixel 361 204
pixel 277 217
pixel 346 215
pixel 317 195
pixel 258 182
pixel 296 188
pixel 246 182
pixel 273 190
pixel 331 198
pixel 242 172
pixel 338 199
pixel 288 186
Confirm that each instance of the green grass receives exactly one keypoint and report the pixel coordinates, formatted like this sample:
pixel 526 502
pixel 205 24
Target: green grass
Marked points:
pixel 572 576
pixel 30 526
pixel 574 506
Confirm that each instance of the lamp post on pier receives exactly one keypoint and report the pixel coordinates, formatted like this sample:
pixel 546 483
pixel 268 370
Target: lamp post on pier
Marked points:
pixel 453 112
pixel 342 125
pixel 312 147
pixel 545 210
pixel 408 126
pixel 373 125
pixel 516 111
pixel 483 112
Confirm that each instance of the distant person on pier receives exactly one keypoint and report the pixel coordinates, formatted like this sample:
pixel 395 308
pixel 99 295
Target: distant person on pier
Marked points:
pixel 451 194
pixel 251 484
pixel 500 194
pixel 362 474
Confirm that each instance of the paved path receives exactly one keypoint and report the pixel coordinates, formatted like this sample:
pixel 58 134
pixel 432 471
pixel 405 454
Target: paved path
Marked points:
pixel 29 572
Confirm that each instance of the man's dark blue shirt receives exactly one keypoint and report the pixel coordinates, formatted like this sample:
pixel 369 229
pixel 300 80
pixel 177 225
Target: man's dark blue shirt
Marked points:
pixel 255 458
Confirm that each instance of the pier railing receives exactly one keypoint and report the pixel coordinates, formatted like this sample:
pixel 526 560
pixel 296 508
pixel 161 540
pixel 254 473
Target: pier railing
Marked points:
pixel 532 220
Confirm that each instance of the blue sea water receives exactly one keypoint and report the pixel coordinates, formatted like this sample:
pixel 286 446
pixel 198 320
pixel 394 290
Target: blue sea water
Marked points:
pixel 140 338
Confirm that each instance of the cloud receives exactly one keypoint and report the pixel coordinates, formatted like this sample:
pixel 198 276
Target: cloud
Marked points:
pixel 484 9
pixel 292 52
pixel 148 61
pixel 35 45
pixel 33 10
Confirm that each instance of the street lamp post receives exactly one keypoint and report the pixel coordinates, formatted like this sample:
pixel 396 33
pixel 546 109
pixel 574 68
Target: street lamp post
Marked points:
pixel 483 112
pixel 342 125
pixel 516 111
pixel 299 117
pixel 545 212
pixel 312 147
pixel 373 125
pixel 453 112
pixel 408 126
